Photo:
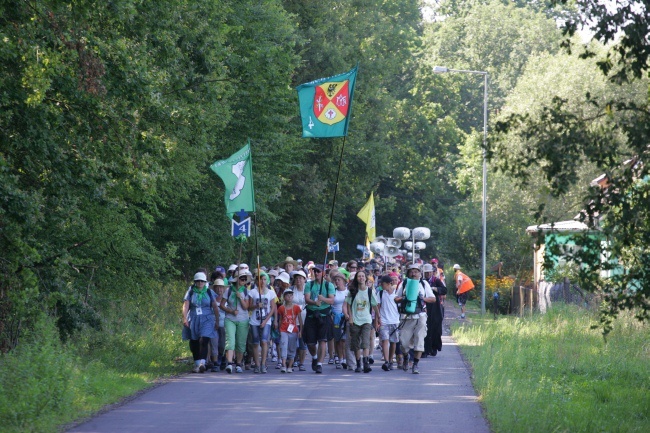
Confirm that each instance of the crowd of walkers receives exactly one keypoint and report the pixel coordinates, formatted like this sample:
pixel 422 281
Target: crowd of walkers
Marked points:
pixel 238 320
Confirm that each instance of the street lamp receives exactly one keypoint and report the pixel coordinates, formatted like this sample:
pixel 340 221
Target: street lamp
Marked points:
pixel 442 70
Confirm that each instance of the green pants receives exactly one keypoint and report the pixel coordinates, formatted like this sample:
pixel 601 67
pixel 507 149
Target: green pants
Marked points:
pixel 236 333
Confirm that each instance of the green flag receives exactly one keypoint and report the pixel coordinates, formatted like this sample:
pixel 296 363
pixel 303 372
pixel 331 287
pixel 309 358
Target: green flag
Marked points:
pixel 237 175
pixel 326 105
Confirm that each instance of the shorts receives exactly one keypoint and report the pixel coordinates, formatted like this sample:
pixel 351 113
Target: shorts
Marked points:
pixel 236 334
pixel 359 336
pixel 317 329
pixel 389 332
pixel 462 299
pixel 413 333
pixel 261 334
pixel 339 333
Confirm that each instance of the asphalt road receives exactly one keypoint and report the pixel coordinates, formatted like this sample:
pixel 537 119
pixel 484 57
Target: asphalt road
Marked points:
pixel 441 399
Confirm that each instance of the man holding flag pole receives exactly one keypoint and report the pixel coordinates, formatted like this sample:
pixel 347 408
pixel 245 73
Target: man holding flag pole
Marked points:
pixel 325 109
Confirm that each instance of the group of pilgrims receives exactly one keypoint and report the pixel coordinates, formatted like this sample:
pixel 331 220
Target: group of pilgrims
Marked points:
pixel 238 320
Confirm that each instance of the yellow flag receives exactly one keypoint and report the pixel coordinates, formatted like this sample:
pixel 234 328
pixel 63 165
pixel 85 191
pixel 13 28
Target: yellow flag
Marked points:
pixel 367 215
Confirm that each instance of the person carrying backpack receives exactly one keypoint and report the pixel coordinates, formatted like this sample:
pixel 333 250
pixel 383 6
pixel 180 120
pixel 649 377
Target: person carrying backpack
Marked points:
pixel 200 319
pixel 319 297
pixel 414 329
pixel 388 333
pixel 235 303
pixel 357 310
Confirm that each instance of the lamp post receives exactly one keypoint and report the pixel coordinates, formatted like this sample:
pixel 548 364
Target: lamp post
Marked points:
pixel 442 70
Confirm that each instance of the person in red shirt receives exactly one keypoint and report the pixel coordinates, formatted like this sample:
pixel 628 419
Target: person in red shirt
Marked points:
pixel 290 326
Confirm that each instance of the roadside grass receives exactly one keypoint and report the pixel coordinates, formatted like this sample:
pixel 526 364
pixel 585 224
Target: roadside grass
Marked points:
pixel 552 373
pixel 45 384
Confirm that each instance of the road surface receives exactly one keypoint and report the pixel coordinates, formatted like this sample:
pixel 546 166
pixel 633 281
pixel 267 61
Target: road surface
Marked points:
pixel 440 399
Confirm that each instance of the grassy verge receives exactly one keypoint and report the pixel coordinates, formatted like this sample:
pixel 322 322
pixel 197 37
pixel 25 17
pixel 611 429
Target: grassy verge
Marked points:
pixel 45 384
pixel 552 373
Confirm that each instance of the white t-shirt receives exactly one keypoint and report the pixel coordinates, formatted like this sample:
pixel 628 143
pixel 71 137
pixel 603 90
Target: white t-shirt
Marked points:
pixel 299 299
pixel 339 299
pixel 424 292
pixel 257 315
pixel 388 308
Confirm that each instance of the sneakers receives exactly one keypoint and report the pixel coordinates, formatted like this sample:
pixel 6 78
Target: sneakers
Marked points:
pixel 202 367
pixel 371 360
pixel 289 370
pixel 415 369
pixel 314 364
pixel 278 366
pixel 247 366
pixel 390 366
pixel 358 369
pixel 366 366
pixel 385 366
pixel 344 364
pixel 238 369
pixel 229 369
pixel 256 370
pixel 263 369
pixel 296 364
pixel 462 316
pixel 283 370
pixel 338 366
pixel 274 359
pixel 330 361
pixel 301 367
pixel 319 369
pixel 405 366
pixel 215 368
pixel 197 369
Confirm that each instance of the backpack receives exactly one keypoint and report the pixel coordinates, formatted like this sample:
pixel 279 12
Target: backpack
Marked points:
pixel 419 306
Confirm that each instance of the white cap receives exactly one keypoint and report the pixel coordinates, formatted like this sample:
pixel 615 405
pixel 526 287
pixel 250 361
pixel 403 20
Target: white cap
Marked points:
pixel 301 274
pixel 219 282
pixel 200 276
pixel 284 277
pixel 427 268
pixel 456 266
pixel 232 268
pixel 243 266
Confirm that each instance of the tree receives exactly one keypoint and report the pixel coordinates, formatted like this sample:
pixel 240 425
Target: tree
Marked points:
pixel 611 132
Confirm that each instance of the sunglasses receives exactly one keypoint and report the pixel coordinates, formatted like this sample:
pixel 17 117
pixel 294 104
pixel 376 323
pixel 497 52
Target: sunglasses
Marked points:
pixel 353 267
pixel 317 271
pixel 243 278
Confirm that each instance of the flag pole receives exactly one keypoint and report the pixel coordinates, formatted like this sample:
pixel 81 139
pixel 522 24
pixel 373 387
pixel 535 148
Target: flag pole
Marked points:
pixel 336 188
pixel 257 247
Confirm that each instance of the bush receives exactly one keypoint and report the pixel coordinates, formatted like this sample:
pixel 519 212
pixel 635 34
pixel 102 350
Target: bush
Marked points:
pixel 35 379
pixel 502 286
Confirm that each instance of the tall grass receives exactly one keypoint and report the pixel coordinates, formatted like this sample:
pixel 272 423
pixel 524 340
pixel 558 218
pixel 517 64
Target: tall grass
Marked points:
pixel 552 373
pixel 44 383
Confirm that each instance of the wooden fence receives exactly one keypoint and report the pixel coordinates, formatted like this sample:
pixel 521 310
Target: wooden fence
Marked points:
pixel 526 299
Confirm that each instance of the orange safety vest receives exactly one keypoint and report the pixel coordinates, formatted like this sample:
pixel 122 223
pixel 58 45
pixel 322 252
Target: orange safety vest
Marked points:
pixel 465 285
